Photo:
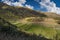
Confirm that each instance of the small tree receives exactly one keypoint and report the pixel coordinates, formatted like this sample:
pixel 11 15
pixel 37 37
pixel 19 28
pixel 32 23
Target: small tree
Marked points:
pixel 58 21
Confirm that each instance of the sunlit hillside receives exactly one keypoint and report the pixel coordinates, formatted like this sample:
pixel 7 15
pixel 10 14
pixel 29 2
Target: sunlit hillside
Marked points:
pixel 30 21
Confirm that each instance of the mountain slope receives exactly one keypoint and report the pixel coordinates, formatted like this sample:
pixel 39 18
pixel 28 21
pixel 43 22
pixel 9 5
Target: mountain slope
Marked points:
pixel 31 21
pixel 10 32
pixel 14 13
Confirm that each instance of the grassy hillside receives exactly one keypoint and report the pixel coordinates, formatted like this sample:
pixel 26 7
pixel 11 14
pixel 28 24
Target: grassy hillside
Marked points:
pixel 10 32
pixel 14 13
pixel 31 21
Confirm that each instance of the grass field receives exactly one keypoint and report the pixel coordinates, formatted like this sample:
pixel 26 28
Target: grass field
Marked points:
pixel 37 29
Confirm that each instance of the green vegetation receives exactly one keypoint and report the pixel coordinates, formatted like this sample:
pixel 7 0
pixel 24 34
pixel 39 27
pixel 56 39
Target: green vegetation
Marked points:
pixel 38 29
pixel 10 32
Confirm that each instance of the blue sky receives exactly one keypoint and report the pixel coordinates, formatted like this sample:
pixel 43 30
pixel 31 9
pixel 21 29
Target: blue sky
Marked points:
pixel 40 5
pixel 57 2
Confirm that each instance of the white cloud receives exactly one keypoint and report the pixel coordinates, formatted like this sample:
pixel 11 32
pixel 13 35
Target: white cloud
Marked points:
pixel 10 2
pixel 37 0
pixel 22 1
pixel 45 1
pixel 29 6
pixel 50 6
pixel 7 2
pixel 19 3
